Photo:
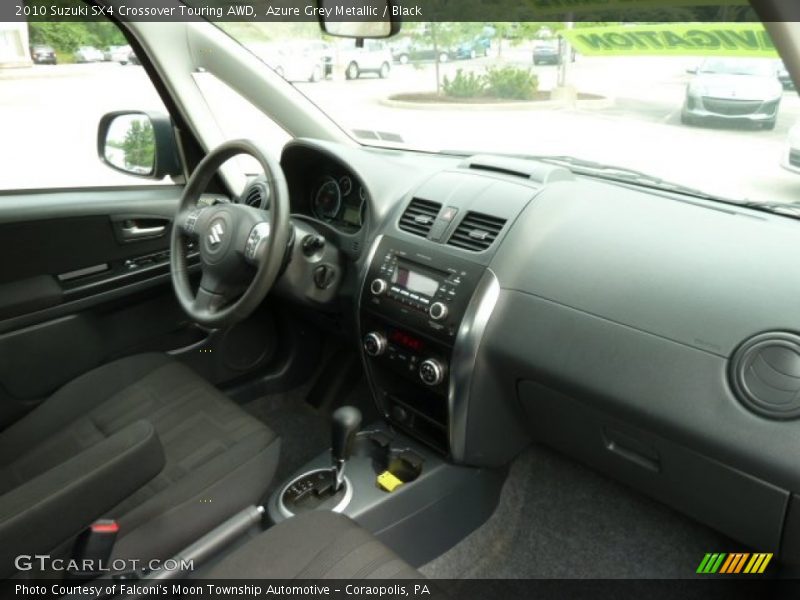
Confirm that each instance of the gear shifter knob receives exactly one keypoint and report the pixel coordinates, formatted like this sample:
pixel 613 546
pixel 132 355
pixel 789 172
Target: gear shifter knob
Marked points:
pixel 346 422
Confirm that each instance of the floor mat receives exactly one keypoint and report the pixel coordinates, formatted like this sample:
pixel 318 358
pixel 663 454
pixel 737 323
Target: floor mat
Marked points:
pixel 558 519
pixel 304 431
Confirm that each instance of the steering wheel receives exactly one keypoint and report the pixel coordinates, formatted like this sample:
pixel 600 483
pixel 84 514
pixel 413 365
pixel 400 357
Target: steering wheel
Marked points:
pixel 241 248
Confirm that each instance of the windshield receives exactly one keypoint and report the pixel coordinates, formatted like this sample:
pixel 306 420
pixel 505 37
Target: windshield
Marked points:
pixel 558 89
pixel 756 67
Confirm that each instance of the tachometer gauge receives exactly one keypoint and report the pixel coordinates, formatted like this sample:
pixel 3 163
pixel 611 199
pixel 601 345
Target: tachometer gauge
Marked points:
pixel 345 185
pixel 327 200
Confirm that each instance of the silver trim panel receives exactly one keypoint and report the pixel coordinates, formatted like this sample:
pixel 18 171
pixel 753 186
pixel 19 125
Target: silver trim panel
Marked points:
pixel 373 249
pixel 465 353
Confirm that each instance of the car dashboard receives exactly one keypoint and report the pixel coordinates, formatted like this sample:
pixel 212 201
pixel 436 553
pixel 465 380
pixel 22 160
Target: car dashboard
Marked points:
pixel 500 301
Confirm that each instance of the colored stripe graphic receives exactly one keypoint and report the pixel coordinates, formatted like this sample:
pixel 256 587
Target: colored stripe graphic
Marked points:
pixel 758 563
pixel 734 563
pixel 711 562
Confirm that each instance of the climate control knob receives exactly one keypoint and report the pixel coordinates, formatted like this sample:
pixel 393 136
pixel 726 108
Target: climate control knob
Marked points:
pixel 431 372
pixel 438 311
pixel 378 286
pixel 374 343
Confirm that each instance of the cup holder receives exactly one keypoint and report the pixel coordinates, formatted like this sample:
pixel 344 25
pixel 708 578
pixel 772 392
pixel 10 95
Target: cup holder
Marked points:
pixel 402 462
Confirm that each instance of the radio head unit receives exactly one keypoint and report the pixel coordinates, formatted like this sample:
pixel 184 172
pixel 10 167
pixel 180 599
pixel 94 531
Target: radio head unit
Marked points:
pixel 426 291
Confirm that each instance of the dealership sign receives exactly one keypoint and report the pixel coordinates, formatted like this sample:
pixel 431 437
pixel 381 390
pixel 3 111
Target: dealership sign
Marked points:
pixel 718 39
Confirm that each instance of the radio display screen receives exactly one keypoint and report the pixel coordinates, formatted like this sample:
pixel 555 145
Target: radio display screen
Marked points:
pixel 413 280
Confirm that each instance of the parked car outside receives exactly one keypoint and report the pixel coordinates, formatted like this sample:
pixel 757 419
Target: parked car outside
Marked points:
pixel 399 49
pixel 293 61
pixel 416 52
pixel 734 89
pixel 375 57
pixel 43 55
pixel 133 59
pixel 784 77
pixel 88 54
pixel 118 54
pixel 323 53
pixel 791 157
pixel 474 48
pixel 546 52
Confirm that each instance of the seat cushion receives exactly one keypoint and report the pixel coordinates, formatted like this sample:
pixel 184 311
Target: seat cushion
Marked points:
pixel 218 459
pixel 313 545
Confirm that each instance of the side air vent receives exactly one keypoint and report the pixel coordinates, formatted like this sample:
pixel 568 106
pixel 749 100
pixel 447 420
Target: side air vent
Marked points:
pixel 256 196
pixel 765 375
pixel 418 218
pixel 476 232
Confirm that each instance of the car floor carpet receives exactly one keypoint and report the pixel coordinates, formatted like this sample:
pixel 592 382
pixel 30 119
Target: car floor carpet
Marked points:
pixel 305 432
pixel 559 519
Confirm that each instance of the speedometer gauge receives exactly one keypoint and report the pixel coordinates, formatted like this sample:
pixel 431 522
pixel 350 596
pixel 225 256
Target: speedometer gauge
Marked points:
pixel 327 200
pixel 345 185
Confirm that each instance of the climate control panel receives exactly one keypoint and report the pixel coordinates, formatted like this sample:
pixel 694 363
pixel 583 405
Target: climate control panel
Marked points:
pixel 407 355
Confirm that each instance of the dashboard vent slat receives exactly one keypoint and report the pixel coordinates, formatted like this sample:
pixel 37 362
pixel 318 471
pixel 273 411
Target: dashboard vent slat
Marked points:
pixel 256 196
pixel 419 216
pixel 476 232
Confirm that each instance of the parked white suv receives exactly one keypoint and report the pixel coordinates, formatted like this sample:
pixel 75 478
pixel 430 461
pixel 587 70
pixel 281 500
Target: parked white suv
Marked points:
pixel 374 57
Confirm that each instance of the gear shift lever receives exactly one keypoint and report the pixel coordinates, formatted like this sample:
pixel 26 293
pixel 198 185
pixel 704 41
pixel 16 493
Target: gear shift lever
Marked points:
pixel 346 422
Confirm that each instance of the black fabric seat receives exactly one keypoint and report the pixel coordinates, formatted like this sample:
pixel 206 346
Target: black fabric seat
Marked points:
pixel 168 454
pixel 314 545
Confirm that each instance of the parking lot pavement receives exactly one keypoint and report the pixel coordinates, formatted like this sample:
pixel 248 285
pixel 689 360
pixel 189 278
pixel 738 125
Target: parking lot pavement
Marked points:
pixel 51 113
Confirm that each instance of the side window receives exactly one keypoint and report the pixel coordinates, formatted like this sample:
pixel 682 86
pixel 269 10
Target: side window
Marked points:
pixel 57 80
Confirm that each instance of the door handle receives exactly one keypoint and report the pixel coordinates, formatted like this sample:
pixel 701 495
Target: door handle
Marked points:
pixel 134 231
pixel 133 228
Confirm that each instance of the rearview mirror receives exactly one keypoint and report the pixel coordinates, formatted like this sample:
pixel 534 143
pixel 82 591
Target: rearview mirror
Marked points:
pixel 338 18
pixel 138 143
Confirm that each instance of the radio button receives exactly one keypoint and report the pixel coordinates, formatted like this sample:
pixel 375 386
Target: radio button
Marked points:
pixel 374 344
pixel 431 372
pixel 438 311
pixel 378 286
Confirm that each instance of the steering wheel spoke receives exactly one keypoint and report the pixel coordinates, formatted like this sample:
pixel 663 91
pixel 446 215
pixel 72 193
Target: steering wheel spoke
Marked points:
pixel 256 245
pixel 190 222
pixel 209 299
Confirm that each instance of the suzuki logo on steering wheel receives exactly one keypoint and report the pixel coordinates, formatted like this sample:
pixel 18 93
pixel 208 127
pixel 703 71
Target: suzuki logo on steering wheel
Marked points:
pixel 217 231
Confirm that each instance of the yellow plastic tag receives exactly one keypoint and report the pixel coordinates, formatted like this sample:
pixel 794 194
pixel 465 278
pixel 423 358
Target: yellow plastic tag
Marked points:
pixel 388 482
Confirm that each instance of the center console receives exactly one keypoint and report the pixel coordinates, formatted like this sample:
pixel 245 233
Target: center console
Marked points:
pixel 413 305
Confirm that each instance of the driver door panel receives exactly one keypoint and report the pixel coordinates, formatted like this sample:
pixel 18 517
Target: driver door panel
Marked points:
pixel 77 291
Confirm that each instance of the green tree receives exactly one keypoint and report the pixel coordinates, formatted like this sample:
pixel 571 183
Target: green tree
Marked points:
pixel 66 37
pixel 139 145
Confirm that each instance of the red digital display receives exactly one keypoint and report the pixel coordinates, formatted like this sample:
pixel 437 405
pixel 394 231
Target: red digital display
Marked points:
pixel 407 341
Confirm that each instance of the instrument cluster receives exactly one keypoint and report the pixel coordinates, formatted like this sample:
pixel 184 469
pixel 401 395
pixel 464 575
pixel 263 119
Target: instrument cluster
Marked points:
pixel 339 199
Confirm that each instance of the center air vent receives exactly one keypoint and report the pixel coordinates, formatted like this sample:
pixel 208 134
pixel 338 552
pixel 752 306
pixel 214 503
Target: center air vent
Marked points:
pixel 418 218
pixel 765 375
pixel 256 196
pixel 476 231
